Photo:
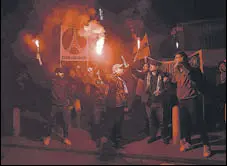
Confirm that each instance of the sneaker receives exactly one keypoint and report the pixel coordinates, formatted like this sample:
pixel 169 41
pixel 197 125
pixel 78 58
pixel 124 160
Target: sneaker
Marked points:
pixel 103 142
pixel 46 141
pixel 184 146
pixel 116 145
pixel 151 140
pixel 165 141
pixel 67 141
pixel 206 151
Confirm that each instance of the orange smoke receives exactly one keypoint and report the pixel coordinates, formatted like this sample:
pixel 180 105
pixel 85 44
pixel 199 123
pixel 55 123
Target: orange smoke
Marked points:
pixel 32 42
pixel 28 39
pixel 79 17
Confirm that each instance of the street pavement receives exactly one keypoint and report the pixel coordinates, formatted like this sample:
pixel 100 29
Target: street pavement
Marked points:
pixel 21 150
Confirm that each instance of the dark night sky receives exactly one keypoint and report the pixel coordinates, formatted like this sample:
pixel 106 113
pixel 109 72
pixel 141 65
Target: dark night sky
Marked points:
pixel 182 11
pixel 171 11
pixel 8 7
pixel 174 11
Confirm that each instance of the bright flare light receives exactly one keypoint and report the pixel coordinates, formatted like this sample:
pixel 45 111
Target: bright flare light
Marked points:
pixel 177 44
pixel 38 53
pixel 99 45
pixel 36 43
pixel 138 43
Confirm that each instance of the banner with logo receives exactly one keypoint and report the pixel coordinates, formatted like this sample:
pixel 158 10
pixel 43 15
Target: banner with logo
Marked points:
pixel 73 47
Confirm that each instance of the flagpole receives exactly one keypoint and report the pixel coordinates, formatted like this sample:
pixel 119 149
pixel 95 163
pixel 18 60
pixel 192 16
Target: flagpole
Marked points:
pixel 135 56
pixel 87 52
pixel 60 65
pixel 138 48
pixel 144 46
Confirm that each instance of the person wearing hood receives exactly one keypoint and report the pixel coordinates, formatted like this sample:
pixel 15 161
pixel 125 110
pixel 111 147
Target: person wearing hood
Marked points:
pixel 61 106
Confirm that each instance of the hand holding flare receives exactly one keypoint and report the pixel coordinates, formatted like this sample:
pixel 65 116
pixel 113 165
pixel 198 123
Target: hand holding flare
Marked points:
pixel 38 53
pixel 124 62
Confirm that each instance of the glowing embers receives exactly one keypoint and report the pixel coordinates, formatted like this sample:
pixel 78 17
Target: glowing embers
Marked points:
pixel 99 45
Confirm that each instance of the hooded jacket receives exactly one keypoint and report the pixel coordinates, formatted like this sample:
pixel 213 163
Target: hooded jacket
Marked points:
pixel 60 92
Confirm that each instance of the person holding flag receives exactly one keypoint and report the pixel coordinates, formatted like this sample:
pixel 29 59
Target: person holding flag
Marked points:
pixel 141 50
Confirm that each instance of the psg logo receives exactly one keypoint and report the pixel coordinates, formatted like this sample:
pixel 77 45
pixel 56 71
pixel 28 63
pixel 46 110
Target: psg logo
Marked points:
pixel 72 42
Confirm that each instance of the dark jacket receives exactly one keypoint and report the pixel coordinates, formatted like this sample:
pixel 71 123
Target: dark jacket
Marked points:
pixel 100 94
pixel 116 97
pixel 143 76
pixel 60 92
pixel 153 87
pixel 189 80
pixel 76 87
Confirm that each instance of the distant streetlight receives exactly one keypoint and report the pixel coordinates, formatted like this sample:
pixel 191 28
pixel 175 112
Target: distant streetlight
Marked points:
pixel 177 44
pixel 100 14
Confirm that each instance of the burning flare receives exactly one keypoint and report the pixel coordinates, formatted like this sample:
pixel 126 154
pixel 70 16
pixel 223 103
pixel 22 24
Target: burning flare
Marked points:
pixel 36 43
pixel 99 45
pixel 138 43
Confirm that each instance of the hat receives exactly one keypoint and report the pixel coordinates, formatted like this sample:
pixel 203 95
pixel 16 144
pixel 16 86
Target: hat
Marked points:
pixel 59 70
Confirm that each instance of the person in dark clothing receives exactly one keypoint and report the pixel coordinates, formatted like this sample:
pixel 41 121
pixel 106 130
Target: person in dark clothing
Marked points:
pixel 169 100
pixel 77 88
pixel 100 92
pixel 156 103
pixel 116 102
pixel 188 81
pixel 89 98
pixel 23 89
pixel 61 106
pixel 141 93
pixel 221 95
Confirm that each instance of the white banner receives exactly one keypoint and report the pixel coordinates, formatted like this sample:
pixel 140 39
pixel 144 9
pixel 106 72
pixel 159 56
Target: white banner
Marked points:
pixel 73 47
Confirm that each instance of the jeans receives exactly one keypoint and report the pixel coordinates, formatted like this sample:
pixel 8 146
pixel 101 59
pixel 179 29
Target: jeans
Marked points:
pixel 191 118
pixel 113 123
pixel 96 123
pixel 148 118
pixel 60 117
pixel 158 121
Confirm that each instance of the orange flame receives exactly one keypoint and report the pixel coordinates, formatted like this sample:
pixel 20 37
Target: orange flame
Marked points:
pixel 138 43
pixel 36 43
pixel 99 45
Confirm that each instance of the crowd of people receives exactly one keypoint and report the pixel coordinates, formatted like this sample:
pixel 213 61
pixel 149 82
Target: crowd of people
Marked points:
pixel 106 98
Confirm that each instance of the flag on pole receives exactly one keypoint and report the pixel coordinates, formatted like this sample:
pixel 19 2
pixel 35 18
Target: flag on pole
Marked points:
pixel 144 50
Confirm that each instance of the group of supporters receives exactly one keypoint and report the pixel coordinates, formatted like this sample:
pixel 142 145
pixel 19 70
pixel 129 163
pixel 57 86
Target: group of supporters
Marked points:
pixel 105 97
